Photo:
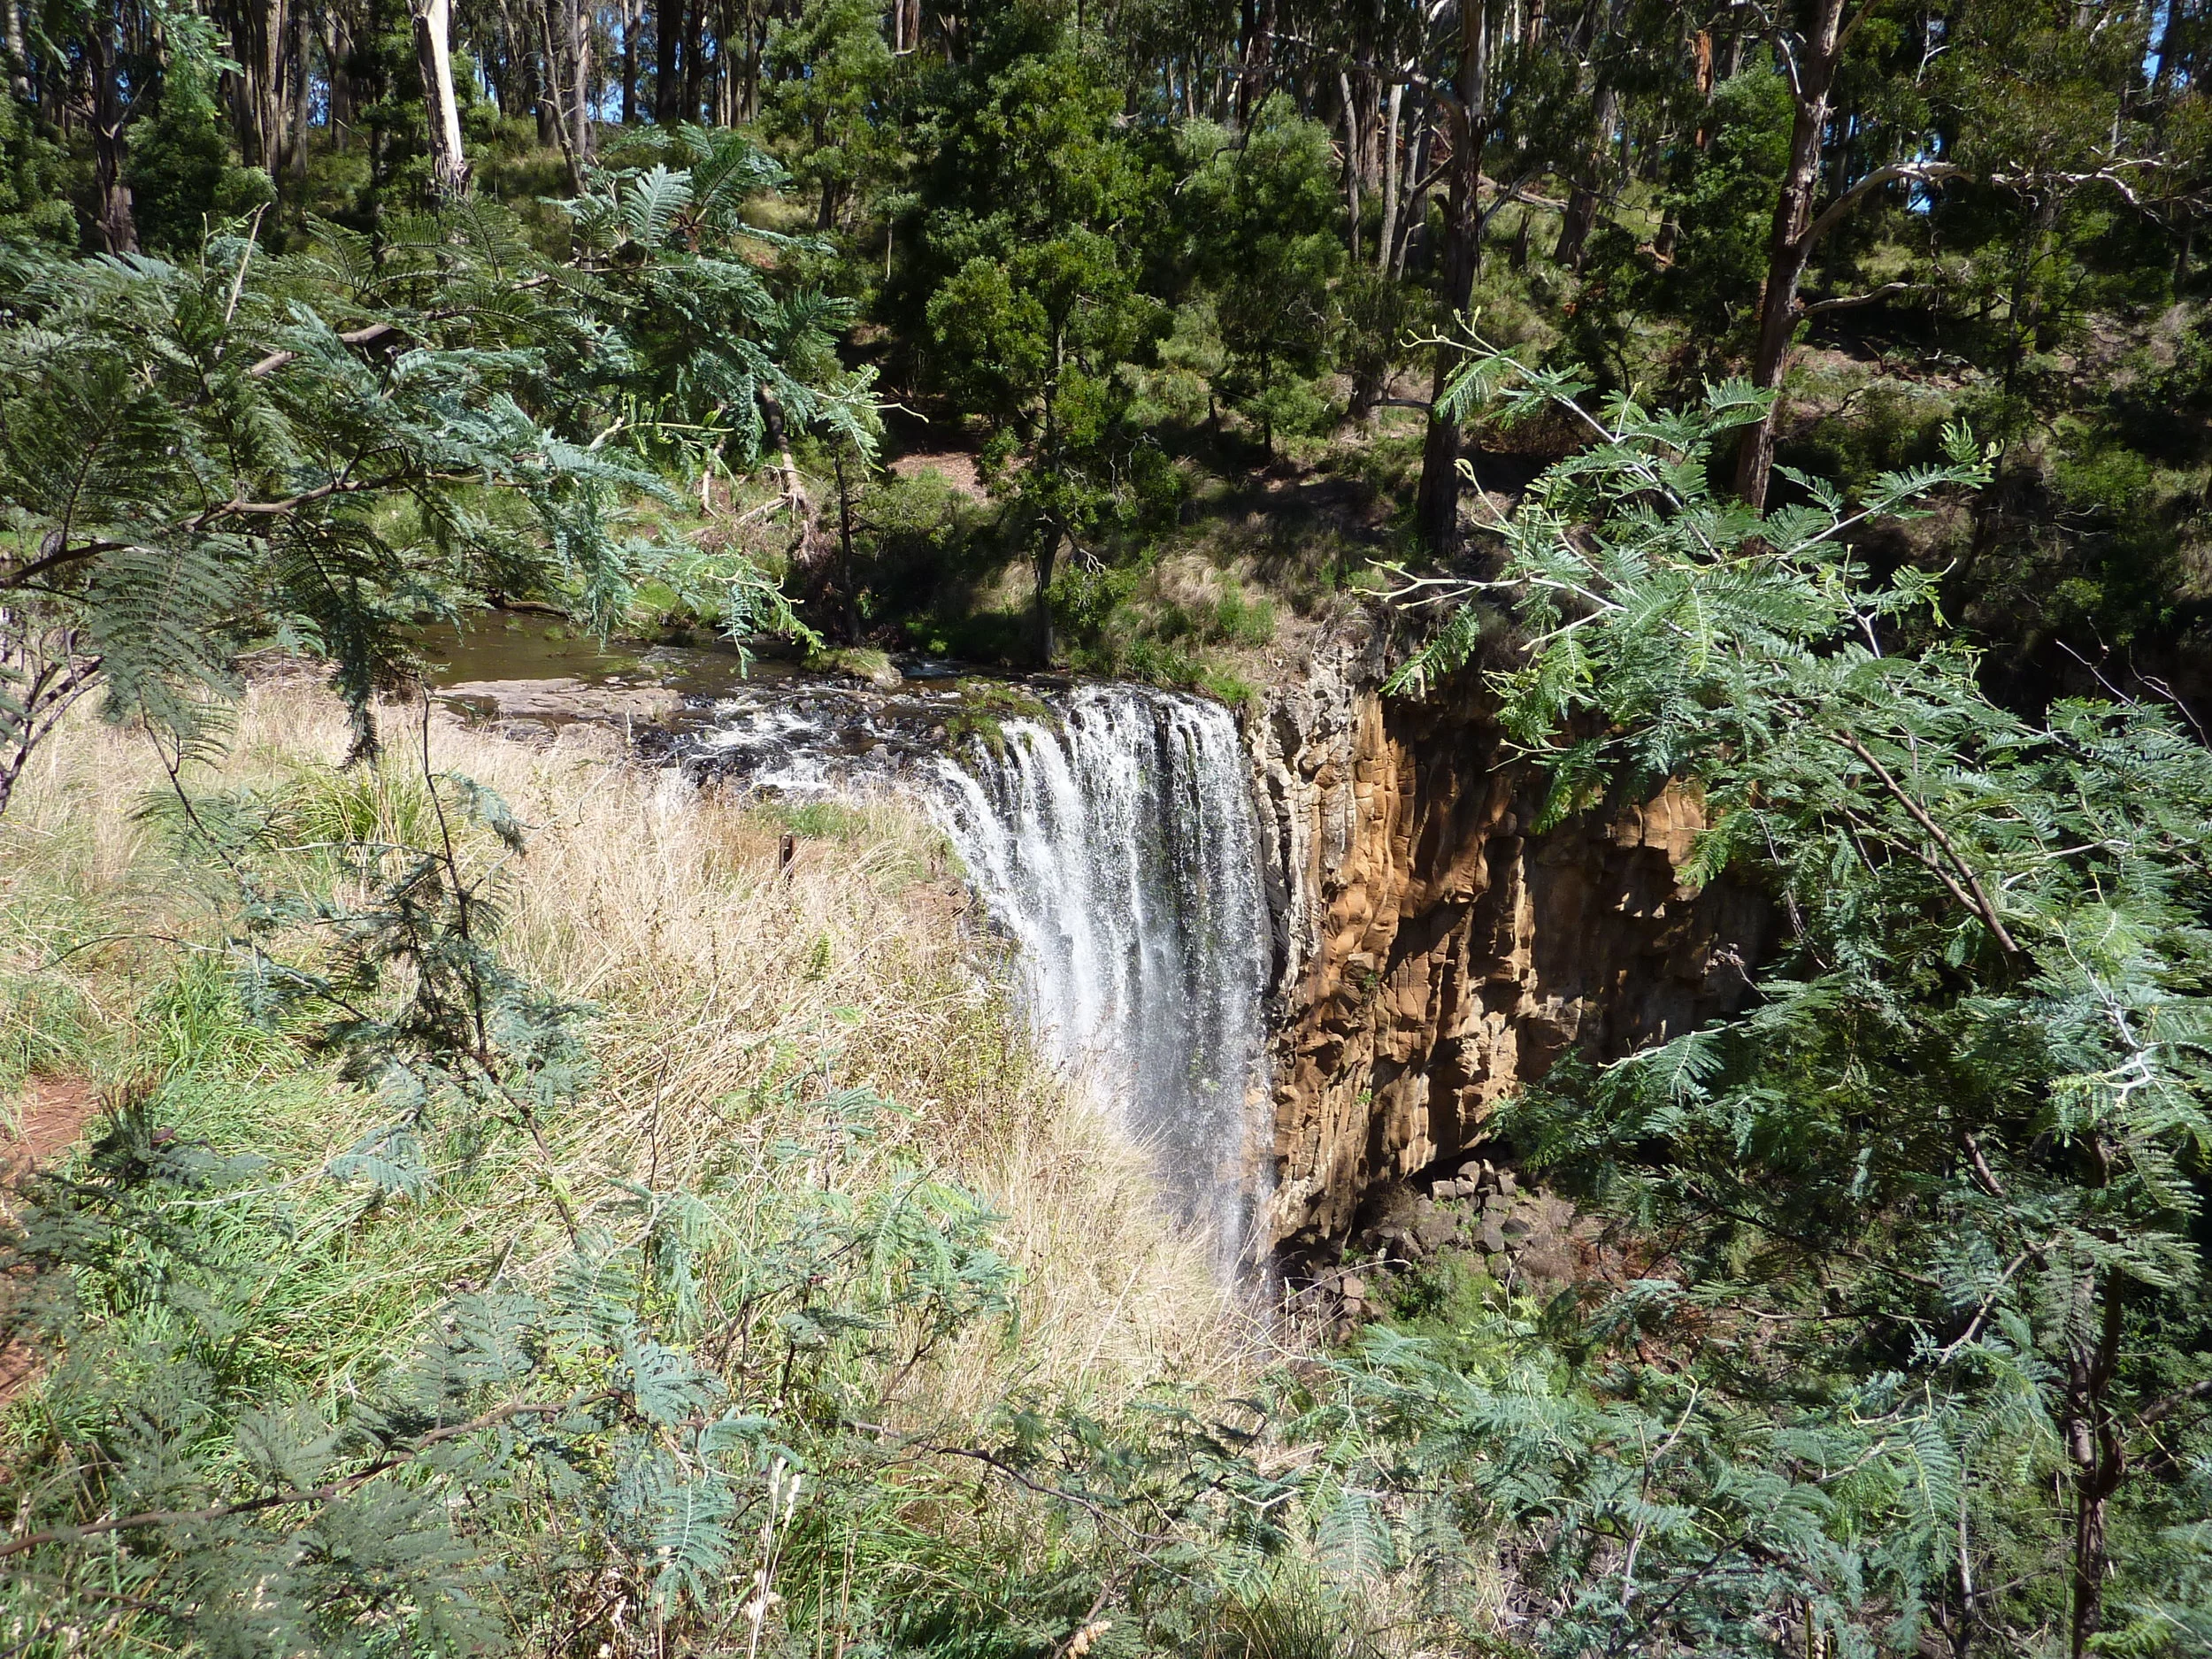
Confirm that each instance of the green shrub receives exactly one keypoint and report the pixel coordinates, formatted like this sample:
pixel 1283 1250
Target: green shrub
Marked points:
pixel 821 820
pixel 183 181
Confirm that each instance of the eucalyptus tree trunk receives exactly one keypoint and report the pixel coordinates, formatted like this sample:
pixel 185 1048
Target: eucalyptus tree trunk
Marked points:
pixel 1414 221
pixel 757 27
pixel 1812 67
pixel 1701 60
pixel 565 111
pixel 433 55
pixel 1258 58
pixel 299 84
pixel 668 87
pixel 268 24
pixel 542 80
pixel 18 60
pixel 695 57
pixel 633 14
pixel 112 221
pixel 1354 163
pixel 2088 1424
pixel 1393 171
pixel 1436 506
pixel 576 49
pixel 338 53
pixel 1581 217
pixel 1046 552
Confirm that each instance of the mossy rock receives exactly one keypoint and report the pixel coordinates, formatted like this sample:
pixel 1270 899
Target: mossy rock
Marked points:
pixel 986 704
pixel 858 663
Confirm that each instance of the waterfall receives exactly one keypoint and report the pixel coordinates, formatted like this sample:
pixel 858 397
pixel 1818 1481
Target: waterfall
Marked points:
pixel 1113 840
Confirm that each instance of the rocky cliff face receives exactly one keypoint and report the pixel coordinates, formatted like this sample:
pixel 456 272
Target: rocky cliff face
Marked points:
pixel 1430 954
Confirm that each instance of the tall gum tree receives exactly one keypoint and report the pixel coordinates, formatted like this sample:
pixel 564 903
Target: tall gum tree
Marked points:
pixel 1467 113
pixel 2050 115
pixel 1808 64
pixel 113 223
pixel 433 53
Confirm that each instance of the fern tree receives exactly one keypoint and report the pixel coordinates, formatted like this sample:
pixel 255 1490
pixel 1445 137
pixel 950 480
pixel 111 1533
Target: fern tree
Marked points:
pixel 1924 1223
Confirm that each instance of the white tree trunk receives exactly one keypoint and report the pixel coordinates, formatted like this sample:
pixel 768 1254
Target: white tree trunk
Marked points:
pixel 1392 170
pixel 433 52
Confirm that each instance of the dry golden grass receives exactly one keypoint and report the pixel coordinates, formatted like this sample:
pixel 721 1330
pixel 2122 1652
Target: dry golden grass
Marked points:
pixel 724 984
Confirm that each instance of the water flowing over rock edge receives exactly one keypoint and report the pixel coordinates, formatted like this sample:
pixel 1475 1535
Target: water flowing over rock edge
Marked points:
pixel 1110 830
pixel 1403 952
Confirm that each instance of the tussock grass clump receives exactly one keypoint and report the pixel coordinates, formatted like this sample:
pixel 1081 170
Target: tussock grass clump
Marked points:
pixel 725 988
pixel 809 1149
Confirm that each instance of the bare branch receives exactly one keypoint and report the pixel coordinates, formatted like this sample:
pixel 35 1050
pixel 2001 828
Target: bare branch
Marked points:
pixel 1840 210
pixel 1851 301
pixel 1979 903
pixel 2159 1409
pixel 367 337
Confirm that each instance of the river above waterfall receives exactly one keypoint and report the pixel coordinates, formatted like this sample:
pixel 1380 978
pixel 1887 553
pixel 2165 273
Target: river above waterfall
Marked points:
pixel 1109 830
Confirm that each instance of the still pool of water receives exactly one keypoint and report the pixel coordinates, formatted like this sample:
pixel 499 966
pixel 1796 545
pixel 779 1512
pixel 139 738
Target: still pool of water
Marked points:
pixel 513 646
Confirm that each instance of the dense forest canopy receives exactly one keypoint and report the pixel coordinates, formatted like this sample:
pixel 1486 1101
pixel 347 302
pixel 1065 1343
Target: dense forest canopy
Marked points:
pixel 1105 238
pixel 1806 406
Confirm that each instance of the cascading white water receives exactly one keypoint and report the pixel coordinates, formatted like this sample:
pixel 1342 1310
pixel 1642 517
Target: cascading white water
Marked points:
pixel 1118 850
pixel 1114 843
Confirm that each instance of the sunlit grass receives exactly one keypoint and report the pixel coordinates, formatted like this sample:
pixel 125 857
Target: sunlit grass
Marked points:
pixel 729 991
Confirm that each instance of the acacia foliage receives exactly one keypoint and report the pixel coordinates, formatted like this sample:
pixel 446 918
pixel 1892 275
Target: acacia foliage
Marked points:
pixel 322 448
pixel 639 1420
pixel 730 1412
pixel 1921 1226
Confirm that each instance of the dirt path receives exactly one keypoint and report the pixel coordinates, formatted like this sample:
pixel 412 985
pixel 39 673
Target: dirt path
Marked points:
pixel 55 1112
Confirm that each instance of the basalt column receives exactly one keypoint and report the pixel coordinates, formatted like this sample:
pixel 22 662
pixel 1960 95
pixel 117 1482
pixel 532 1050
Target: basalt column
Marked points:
pixel 1430 953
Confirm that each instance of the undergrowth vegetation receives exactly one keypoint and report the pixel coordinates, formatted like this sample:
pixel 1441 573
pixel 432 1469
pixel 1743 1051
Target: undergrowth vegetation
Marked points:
pixel 539 1206
pixel 722 1316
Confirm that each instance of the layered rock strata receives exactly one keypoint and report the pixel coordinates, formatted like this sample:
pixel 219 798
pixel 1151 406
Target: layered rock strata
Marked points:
pixel 1429 954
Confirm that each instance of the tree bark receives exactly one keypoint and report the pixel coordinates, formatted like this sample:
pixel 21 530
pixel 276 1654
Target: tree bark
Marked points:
pixel 299 84
pixel 271 27
pixel 1581 217
pixel 1351 162
pixel 19 59
pixel 434 56
pixel 1259 54
pixel 694 56
pixel 338 53
pixel 544 77
pixel 668 89
pixel 559 113
pixel 258 30
pixel 1414 222
pixel 848 601
pixel 632 13
pixel 1436 506
pixel 1047 552
pixel 2092 1445
pixel 1790 244
pixel 1392 172
pixel 576 45
pixel 756 44
pixel 2028 288
pixel 1047 556
pixel 113 223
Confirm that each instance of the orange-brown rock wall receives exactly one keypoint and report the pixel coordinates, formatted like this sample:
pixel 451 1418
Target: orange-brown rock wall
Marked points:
pixel 1431 955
